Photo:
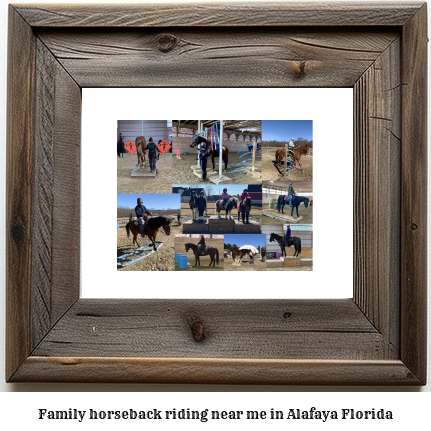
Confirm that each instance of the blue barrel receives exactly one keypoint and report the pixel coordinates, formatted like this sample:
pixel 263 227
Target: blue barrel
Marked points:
pixel 177 258
pixel 118 226
pixel 182 262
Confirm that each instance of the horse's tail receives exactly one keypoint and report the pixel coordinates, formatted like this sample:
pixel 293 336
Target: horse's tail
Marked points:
pixel 299 247
pixel 128 230
pixel 217 256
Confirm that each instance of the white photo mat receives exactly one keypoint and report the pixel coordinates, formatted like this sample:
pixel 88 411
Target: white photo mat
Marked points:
pixel 332 113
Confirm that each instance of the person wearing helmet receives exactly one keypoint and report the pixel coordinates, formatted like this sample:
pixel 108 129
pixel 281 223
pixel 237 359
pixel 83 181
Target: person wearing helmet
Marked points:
pixel 244 195
pixel 224 198
pixel 291 144
pixel 291 194
pixel 203 160
pixel 287 235
pixel 201 204
pixel 142 215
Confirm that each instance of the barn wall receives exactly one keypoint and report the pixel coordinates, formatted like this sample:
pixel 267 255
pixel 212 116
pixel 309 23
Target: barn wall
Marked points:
pixel 156 129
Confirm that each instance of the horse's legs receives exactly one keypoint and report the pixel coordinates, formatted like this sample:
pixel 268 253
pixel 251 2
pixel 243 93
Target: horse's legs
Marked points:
pixel 212 159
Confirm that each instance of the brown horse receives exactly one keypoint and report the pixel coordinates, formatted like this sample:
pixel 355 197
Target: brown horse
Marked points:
pixel 212 252
pixel 152 227
pixel 297 153
pixel 210 152
pixel 141 146
pixel 240 253
pixel 231 206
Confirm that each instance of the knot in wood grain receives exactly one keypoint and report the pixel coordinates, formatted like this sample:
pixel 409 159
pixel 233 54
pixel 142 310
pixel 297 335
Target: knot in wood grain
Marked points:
pixel 414 226
pixel 287 314
pixel 166 42
pixel 18 233
pixel 197 327
pixel 300 69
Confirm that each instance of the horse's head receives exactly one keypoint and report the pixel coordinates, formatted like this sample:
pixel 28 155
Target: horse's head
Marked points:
pixel 187 246
pixel 196 141
pixel 306 202
pixel 306 149
pixel 271 238
pixel 167 226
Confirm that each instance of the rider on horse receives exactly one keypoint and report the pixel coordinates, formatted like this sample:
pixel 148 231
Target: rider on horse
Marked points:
pixel 202 245
pixel 142 215
pixel 224 198
pixel 291 193
pixel 287 235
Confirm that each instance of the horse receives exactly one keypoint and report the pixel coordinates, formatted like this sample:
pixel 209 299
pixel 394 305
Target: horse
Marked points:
pixel 281 203
pixel 233 203
pixel 211 152
pixel 244 209
pixel 212 252
pixel 240 253
pixel 297 153
pixel 293 240
pixel 297 201
pixel 152 227
pixel 192 204
pixel 141 146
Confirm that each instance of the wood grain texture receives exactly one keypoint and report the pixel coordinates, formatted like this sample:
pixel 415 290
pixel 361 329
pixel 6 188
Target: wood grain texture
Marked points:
pixel 235 58
pixel 19 197
pixel 413 194
pixel 378 338
pixel 207 14
pixel 377 99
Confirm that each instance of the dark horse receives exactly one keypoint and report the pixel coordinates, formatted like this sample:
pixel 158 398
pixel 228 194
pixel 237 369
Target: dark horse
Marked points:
pixel 244 209
pixel 281 203
pixel 210 152
pixel 152 227
pixel 297 153
pixel 192 204
pixel 240 253
pixel 233 203
pixel 212 252
pixel 297 201
pixel 293 240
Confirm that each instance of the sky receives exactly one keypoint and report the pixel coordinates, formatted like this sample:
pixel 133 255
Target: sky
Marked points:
pixel 284 130
pixel 246 239
pixel 232 189
pixel 155 201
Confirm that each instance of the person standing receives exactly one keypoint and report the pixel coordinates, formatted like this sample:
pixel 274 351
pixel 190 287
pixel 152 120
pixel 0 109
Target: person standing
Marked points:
pixel 142 215
pixel 152 154
pixel 120 146
pixel 203 160
pixel 201 204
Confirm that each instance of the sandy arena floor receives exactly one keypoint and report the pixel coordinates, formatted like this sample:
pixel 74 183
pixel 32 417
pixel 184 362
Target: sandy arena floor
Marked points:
pixel 128 184
pixel 270 173
pixel 183 174
pixel 245 265
pixel 162 260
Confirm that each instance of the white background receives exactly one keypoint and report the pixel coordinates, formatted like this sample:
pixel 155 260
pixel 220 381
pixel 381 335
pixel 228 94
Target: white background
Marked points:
pixel 20 409
pixel 332 113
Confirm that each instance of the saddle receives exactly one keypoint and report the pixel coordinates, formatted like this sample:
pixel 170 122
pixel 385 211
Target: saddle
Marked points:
pixel 202 250
pixel 142 226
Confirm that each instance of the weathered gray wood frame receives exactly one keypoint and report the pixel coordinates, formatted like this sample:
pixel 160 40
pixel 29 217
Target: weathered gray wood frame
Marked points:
pixel 378 337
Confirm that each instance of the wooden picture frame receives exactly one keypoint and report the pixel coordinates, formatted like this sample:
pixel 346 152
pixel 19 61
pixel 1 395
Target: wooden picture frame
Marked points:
pixel 378 337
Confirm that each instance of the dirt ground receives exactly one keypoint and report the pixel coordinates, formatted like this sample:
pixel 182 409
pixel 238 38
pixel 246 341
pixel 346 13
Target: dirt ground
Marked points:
pixel 162 260
pixel 307 213
pixel 306 252
pixel 245 265
pixel 128 184
pixel 270 173
pixel 292 268
pixel 183 174
pixel 205 260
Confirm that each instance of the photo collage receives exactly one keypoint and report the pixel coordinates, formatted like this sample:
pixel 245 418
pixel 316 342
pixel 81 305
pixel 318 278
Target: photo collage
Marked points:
pixel 214 195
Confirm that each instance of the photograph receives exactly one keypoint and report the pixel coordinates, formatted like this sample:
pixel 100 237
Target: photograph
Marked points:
pixel 244 252
pixel 289 247
pixel 199 252
pixel 144 156
pixel 287 204
pixel 146 225
pixel 196 145
pixel 220 208
pixel 287 150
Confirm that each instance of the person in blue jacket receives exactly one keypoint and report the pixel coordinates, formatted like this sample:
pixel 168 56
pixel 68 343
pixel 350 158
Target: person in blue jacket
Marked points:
pixel 142 215
pixel 203 160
